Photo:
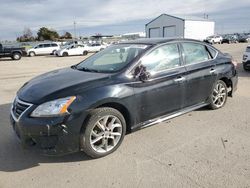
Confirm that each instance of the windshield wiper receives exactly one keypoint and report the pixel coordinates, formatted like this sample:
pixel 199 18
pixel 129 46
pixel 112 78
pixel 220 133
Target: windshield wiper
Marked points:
pixel 86 69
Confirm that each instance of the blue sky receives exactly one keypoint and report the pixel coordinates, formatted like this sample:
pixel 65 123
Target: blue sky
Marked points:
pixel 114 16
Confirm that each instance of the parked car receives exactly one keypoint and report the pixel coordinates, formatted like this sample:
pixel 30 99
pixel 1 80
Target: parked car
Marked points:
pixel 13 52
pixel 73 50
pixel 229 39
pixel 216 39
pixel 43 49
pixel 246 59
pixel 96 47
pixel 243 38
pixel 128 86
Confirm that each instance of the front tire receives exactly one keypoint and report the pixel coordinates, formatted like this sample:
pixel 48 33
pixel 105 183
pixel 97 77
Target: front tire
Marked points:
pixel 32 54
pixel 104 132
pixel 218 97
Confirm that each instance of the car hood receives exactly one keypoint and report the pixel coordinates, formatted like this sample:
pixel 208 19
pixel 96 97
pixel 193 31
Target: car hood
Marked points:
pixel 59 83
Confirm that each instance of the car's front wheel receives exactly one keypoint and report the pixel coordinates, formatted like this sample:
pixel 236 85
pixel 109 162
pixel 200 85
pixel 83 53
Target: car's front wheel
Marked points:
pixel 104 132
pixel 218 97
pixel 32 54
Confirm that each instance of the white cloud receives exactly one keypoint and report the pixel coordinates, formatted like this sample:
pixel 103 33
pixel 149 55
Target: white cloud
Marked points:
pixel 60 14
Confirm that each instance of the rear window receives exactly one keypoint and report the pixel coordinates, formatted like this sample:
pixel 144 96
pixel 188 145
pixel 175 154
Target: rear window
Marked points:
pixel 195 53
pixel 248 49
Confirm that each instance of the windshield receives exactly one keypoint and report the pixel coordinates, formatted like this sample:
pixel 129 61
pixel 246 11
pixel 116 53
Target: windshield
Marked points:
pixel 112 59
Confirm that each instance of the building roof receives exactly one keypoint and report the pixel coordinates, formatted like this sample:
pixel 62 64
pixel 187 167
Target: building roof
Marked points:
pixel 183 17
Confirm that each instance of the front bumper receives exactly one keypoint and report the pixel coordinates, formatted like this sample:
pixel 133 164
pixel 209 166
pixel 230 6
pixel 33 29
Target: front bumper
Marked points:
pixel 49 136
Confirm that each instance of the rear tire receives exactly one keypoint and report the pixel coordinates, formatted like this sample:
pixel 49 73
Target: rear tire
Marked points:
pixel 103 132
pixel 65 54
pixel 16 56
pixel 218 97
pixel 85 53
pixel 246 68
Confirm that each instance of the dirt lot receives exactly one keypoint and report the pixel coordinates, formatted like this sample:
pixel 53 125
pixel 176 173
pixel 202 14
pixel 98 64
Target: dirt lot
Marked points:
pixel 201 149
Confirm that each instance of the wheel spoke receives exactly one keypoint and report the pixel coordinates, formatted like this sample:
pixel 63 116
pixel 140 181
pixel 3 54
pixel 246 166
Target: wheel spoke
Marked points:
pixel 105 120
pixel 100 126
pixel 115 125
pixel 106 145
pixel 116 134
pixel 97 139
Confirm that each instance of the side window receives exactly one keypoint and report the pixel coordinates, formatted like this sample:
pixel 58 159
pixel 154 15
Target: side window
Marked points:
pixel 54 45
pixel 162 58
pixel 40 46
pixel 46 45
pixel 195 53
pixel 212 52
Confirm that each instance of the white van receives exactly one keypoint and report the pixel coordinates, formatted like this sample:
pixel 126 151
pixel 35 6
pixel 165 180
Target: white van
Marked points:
pixel 43 49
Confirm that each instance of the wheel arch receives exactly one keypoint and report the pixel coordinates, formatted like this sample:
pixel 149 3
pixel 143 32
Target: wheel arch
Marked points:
pixel 229 84
pixel 122 109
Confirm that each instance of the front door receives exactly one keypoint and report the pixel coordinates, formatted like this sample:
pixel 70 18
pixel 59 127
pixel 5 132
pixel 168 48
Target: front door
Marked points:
pixel 163 93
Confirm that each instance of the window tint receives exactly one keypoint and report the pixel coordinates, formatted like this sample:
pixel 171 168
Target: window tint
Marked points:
pixel 54 45
pixel 162 58
pixel 40 46
pixel 195 53
pixel 46 45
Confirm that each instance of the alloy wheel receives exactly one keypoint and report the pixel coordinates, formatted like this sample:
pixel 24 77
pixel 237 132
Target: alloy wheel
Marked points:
pixel 106 134
pixel 219 95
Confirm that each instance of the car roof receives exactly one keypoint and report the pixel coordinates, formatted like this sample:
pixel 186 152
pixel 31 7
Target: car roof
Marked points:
pixel 154 41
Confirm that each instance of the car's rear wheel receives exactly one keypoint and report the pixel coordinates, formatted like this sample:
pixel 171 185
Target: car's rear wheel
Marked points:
pixel 32 54
pixel 245 67
pixel 85 53
pixel 54 52
pixel 218 97
pixel 16 56
pixel 104 132
pixel 65 54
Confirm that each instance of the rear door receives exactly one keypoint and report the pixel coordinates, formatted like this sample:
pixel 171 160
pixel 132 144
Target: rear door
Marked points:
pixel 163 93
pixel 201 72
pixel 47 49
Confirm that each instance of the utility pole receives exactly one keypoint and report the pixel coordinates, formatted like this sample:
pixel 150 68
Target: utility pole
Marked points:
pixel 75 29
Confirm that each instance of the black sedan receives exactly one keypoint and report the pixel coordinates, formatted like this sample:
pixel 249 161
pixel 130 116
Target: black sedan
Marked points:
pixel 128 86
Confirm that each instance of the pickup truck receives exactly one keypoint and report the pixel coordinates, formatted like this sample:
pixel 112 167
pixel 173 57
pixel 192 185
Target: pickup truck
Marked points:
pixel 13 52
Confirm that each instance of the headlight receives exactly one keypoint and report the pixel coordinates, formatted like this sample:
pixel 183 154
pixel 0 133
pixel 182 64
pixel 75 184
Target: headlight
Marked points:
pixel 53 108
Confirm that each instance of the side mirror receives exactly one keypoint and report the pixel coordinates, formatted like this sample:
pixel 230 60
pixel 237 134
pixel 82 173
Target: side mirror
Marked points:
pixel 141 73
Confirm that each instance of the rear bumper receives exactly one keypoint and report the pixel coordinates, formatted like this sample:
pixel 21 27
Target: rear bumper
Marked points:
pixel 234 80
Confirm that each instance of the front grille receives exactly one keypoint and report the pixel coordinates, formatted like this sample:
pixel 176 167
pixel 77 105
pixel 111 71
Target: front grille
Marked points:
pixel 18 108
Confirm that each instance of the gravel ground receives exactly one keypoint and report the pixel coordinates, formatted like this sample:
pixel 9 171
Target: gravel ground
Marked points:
pixel 203 148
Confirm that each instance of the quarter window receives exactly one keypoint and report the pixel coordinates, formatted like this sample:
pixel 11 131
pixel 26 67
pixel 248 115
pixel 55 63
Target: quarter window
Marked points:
pixel 195 53
pixel 162 58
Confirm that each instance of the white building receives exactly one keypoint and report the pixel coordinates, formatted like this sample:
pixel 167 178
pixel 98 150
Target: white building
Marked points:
pixel 168 26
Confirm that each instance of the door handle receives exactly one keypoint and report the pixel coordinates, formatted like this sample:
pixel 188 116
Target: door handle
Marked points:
pixel 180 79
pixel 212 71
